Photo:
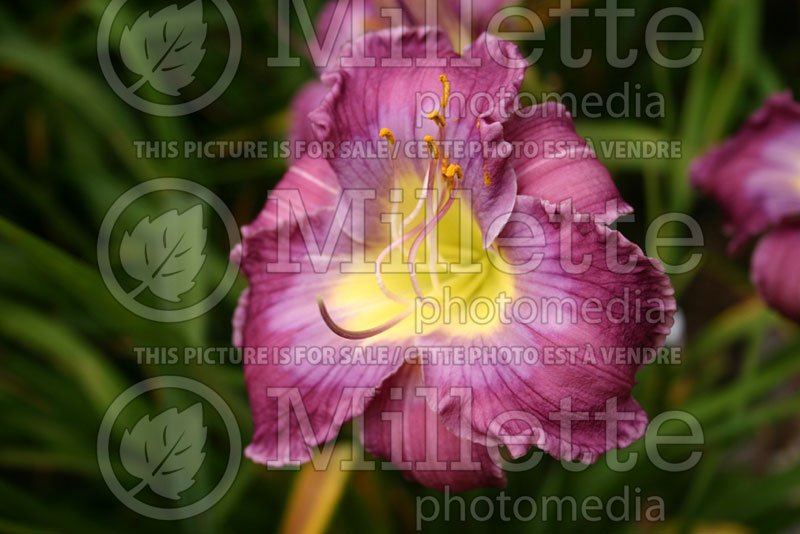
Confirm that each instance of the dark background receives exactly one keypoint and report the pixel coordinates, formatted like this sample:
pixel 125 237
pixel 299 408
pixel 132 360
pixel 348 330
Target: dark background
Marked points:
pixel 66 346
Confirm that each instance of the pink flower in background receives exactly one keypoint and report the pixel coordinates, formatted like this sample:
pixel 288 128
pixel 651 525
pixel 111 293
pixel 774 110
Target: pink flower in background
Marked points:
pixel 776 269
pixel 755 178
pixel 442 421
pixel 755 175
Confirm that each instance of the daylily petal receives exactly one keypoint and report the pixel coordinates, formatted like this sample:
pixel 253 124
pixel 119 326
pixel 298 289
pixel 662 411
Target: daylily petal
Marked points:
pixel 419 444
pixel 563 166
pixel 309 97
pixel 776 269
pixel 305 101
pixel 279 311
pixel 314 180
pixel 308 186
pixel 755 176
pixel 362 101
pixel 588 383
pixel 240 313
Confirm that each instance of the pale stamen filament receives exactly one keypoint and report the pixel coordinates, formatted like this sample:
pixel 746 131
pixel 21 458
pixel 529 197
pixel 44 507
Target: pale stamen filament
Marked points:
pixel 421 200
pixel 388 249
pixel 433 252
pixel 379 277
pixel 423 230
pixel 401 240
pixel 387 134
pixel 412 255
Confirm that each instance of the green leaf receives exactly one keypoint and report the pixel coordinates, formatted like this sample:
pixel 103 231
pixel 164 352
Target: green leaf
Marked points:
pixel 84 284
pixel 166 452
pixel 171 43
pixel 166 254
pixel 64 348
pixel 93 99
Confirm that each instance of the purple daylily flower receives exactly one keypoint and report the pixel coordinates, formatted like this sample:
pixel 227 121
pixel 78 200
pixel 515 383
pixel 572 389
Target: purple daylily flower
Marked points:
pixel 755 177
pixel 776 269
pixel 442 421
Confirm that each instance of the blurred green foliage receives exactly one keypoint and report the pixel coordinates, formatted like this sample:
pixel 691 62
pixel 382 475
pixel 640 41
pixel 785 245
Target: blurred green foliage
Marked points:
pixel 66 346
